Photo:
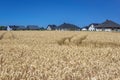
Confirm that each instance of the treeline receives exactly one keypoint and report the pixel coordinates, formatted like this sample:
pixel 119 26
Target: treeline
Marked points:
pixel 3 28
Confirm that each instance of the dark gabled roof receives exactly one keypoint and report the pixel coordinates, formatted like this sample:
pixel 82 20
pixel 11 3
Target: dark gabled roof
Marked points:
pixel 33 27
pixel 21 28
pixel 17 27
pixel 42 28
pixel 95 24
pixel 108 24
pixel 12 26
pixel 68 26
pixel 53 27
pixel 85 27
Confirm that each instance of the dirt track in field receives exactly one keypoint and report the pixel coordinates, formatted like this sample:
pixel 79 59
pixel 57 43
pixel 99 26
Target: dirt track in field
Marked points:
pixel 7 35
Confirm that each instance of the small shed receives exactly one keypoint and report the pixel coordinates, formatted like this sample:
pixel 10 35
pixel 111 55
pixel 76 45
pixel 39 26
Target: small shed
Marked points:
pixel 85 28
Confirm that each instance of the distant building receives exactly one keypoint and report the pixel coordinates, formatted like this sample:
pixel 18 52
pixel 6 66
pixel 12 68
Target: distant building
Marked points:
pixel 9 28
pixel 15 27
pixel 92 27
pixel 51 27
pixel 108 25
pixel 85 28
pixel 42 28
pixel 12 27
pixel 21 28
pixel 33 27
pixel 68 27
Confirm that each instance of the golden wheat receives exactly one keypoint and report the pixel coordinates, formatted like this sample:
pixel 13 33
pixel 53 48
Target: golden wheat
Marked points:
pixel 59 55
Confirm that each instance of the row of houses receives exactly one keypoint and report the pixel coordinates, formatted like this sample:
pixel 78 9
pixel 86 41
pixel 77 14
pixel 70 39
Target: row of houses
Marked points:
pixel 64 27
pixel 107 25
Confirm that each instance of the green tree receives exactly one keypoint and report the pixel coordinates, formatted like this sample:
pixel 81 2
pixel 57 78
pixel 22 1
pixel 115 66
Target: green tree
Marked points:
pixel 3 27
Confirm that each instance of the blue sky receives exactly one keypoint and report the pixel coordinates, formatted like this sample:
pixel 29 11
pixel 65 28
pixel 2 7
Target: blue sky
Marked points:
pixel 44 12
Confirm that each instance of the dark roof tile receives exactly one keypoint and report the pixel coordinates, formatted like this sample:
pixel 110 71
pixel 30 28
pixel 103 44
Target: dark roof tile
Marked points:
pixel 68 26
pixel 109 23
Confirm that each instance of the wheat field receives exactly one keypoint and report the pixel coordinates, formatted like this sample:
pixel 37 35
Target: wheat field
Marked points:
pixel 59 55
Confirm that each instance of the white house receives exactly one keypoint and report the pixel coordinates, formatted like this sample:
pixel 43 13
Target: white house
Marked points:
pixel 49 28
pixel 9 28
pixel 92 26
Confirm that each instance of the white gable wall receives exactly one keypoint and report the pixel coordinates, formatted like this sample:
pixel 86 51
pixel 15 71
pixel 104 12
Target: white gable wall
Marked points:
pixel 49 28
pixel 8 28
pixel 91 28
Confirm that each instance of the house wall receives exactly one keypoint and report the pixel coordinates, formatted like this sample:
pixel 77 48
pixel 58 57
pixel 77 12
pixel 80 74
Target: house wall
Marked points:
pixel 84 29
pixel 64 29
pixel 91 28
pixel 99 30
pixel 118 30
pixel 8 28
pixel 49 28
pixel 108 30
